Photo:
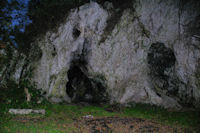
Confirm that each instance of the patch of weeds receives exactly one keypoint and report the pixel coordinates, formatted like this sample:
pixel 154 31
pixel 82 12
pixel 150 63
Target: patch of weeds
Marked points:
pixel 115 107
pixel 185 119
pixel 96 111
pixel 14 96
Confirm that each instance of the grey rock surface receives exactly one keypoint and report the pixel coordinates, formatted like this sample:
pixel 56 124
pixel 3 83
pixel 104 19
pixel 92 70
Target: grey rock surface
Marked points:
pixel 11 64
pixel 149 53
pixel 26 111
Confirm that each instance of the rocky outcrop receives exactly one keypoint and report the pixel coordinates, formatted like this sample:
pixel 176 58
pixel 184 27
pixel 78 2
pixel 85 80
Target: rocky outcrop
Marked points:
pixel 11 64
pixel 145 53
pixel 68 51
pixel 173 23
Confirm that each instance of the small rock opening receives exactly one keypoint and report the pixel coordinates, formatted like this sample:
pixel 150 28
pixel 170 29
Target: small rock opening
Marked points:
pixel 76 33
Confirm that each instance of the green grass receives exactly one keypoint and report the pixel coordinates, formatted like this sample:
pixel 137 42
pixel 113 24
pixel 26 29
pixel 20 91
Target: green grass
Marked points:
pixel 59 117
pixel 185 119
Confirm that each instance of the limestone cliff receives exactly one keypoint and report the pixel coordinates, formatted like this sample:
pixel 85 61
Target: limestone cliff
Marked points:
pixel 145 53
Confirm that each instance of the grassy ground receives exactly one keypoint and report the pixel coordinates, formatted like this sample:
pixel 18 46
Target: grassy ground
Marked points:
pixel 60 118
pixel 69 118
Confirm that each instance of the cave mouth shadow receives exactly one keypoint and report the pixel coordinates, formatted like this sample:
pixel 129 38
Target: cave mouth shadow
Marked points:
pixel 160 58
pixel 82 88
pixel 161 61
pixel 76 33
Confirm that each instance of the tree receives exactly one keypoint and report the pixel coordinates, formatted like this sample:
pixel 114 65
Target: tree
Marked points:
pixel 6 8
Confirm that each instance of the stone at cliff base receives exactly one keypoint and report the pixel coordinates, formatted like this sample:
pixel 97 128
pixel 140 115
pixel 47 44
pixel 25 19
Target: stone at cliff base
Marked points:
pixel 26 111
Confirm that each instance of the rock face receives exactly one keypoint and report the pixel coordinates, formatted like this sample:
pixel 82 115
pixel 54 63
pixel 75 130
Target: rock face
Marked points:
pixel 148 53
pixel 11 64
pixel 63 70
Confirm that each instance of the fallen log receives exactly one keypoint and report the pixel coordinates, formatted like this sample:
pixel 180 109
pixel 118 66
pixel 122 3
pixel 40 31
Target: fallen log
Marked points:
pixel 26 111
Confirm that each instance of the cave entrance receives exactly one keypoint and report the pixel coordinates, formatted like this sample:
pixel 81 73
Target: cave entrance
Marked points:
pixel 160 58
pixel 161 62
pixel 81 88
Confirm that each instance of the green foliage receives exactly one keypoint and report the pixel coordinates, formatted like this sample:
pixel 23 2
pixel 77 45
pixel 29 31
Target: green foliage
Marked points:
pixel 186 119
pixel 6 27
pixel 35 94
pixel 14 96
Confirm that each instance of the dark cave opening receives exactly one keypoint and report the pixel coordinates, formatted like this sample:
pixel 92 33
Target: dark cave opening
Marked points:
pixel 76 33
pixel 81 88
pixel 160 58
pixel 161 61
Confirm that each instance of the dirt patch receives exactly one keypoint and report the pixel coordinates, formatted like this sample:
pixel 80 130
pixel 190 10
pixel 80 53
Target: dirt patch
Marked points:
pixel 124 125
pixel 25 119
pixel 92 124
